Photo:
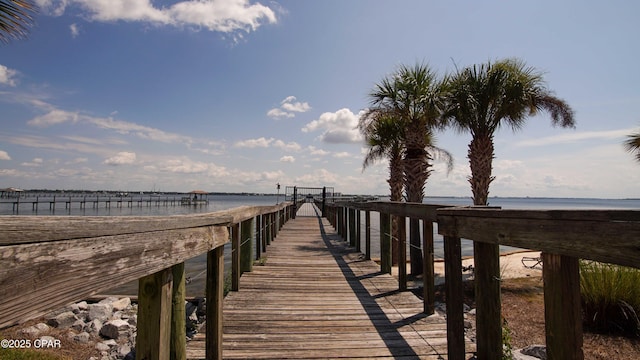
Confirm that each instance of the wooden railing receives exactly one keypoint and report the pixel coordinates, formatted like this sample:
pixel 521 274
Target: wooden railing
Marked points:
pixel 50 261
pixel 563 237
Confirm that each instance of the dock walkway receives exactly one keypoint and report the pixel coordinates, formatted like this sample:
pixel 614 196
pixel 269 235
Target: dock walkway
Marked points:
pixel 317 298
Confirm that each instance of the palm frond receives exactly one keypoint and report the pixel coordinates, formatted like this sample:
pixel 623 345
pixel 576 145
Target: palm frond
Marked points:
pixel 15 19
pixel 632 144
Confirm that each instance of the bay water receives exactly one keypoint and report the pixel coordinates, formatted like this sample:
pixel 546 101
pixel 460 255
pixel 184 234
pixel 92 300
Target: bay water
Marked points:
pixel 196 267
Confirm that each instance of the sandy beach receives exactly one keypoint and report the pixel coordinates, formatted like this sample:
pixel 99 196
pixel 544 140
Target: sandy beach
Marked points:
pixel 511 267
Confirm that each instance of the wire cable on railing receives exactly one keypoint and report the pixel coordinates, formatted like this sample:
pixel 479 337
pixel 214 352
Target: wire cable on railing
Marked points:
pixel 242 244
pixel 398 240
pixel 189 279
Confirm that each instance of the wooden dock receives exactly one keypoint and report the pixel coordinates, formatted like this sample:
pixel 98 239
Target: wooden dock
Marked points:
pixel 317 298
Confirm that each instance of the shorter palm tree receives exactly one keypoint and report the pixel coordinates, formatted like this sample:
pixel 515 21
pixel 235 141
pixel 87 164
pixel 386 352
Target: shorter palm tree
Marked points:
pixel 15 19
pixel 632 144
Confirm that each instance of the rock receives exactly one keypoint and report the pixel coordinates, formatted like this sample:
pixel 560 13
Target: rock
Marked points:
pixel 468 324
pixel 124 350
pixel 82 305
pixel 517 355
pixel 36 329
pixel 78 325
pixel 110 343
pixel 99 311
pixel 537 351
pixel 94 326
pixel 472 312
pixel 102 347
pixel 121 304
pixel 112 329
pixel 133 320
pixel 82 338
pixel 63 321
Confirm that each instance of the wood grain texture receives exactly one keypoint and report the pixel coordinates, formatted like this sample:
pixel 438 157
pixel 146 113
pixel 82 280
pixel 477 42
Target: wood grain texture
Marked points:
pixel 580 234
pixel 51 274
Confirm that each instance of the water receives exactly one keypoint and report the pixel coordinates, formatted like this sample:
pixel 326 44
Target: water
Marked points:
pixel 195 267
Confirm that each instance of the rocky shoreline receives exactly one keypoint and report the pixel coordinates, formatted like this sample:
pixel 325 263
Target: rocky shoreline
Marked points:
pixel 109 325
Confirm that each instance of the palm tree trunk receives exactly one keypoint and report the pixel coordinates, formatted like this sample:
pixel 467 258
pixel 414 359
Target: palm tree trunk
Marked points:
pixel 480 158
pixel 416 170
pixel 396 183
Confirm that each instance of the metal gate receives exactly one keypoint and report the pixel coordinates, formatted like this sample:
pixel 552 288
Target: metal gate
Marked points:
pixel 309 201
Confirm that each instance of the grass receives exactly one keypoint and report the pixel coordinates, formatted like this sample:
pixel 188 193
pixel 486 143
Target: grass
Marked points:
pixel 28 354
pixel 610 298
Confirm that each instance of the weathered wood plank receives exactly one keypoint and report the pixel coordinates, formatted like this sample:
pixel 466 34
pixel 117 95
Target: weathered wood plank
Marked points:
pixel 562 307
pixel 454 297
pixel 154 316
pixel 50 275
pixel 556 232
pixel 215 298
pixel 178 314
pixel 29 229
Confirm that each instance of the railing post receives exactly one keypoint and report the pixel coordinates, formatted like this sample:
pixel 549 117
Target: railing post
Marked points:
pixel 562 306
pixel 486 258
pixel 428 287
pixel 358 231
pixel 258 238
pixel 246 241
pixel 154 316
pixel 272 218
pixel 235 257
pixel 352 227
pixel 402 253
pixel 454 294
pixel 367 235
pixel 178 314
pixel 215 296
pixel 385 243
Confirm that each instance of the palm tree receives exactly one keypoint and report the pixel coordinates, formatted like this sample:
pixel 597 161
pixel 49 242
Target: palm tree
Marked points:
pixel 413 96
pixel 483 98
pixel 480 100
pixel 385 137
pixel 15 19
pixel 633 144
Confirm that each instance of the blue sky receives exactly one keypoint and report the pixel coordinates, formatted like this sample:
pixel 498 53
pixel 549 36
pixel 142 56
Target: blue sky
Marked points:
pixel 236 95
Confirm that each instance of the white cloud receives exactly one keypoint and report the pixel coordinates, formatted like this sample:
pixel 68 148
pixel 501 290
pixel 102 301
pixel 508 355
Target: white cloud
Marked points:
pixel 254 143
pixel 36 162
pixel 339 127
pixel 58 116
pixel 121 158
pixel 7 76
pixel 263 142
pixel 576 137
pixel 226 16
pixel 4 155
pixel 184 166
pixel 291 146
pixel 341 155
pixel 314 151
pixel 289 159
pixel 288 107
pixel 75 30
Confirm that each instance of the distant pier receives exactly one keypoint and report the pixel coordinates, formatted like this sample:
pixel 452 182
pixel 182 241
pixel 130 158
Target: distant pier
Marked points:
pixel 95 201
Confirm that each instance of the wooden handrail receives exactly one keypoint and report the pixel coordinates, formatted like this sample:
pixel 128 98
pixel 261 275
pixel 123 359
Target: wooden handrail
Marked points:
pixel 49 261
pixel 563 237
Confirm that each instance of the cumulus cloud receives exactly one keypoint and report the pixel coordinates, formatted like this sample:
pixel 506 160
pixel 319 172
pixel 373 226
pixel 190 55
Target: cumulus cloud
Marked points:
pixel 7 76
pixel 339 127
pixel 263 142
pixel 4 155
pixel 289 159
pixel 288 107
pixel 121 158
pixel 225 16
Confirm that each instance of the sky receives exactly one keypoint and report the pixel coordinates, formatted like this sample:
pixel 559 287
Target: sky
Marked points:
pixel 239 95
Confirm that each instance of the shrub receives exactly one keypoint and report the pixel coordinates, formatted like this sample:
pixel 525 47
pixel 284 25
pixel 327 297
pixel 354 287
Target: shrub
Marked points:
pixel 610 298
